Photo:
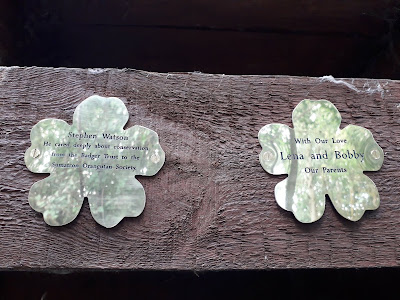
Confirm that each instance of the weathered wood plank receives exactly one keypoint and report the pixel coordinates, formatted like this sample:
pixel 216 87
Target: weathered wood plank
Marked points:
pixel 211 206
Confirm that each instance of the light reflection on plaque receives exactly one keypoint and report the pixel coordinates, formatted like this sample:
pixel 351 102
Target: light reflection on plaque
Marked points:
pixel 321 159
pixel 94 158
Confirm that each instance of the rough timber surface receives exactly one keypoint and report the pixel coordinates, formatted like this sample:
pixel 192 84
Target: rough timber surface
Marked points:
pixel 212 206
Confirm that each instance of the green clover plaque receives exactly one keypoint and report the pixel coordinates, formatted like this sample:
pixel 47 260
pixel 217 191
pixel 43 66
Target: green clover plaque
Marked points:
pixel 94 158
pixel 320 159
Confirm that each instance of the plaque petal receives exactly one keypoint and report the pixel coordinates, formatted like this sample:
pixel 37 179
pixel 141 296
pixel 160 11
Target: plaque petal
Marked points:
pixel 363 139
pixel 304 196
pixel 122 196
pixel 51 132
pixel 311 115
pixel 353 195
pixel 154 156
pixel 58 197
pixel 274 138
pixel 100 114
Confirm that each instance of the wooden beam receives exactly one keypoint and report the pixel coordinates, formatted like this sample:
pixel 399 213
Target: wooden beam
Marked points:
pixel 212 206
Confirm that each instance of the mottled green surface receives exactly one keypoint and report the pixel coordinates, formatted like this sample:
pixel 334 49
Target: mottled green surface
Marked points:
pixel 315 163
pixel 79 168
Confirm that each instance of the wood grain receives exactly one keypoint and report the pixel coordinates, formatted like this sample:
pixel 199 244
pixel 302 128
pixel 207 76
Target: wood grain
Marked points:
pixel 212 206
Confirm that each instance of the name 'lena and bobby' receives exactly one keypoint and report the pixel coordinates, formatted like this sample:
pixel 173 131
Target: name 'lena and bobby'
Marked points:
pixel 342 155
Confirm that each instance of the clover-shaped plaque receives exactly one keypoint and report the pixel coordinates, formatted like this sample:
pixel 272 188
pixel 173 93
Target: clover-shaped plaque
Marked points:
pixel 94 158
pixel 321 159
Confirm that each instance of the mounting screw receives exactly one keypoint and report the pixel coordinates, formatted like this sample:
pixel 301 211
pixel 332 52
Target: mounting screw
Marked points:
pixel 155 158
pixel 375 154
pixel 35 153
pixel 268 156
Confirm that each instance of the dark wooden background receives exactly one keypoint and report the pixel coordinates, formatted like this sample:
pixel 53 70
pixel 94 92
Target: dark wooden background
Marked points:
pixel 358 38
pixel 212 206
